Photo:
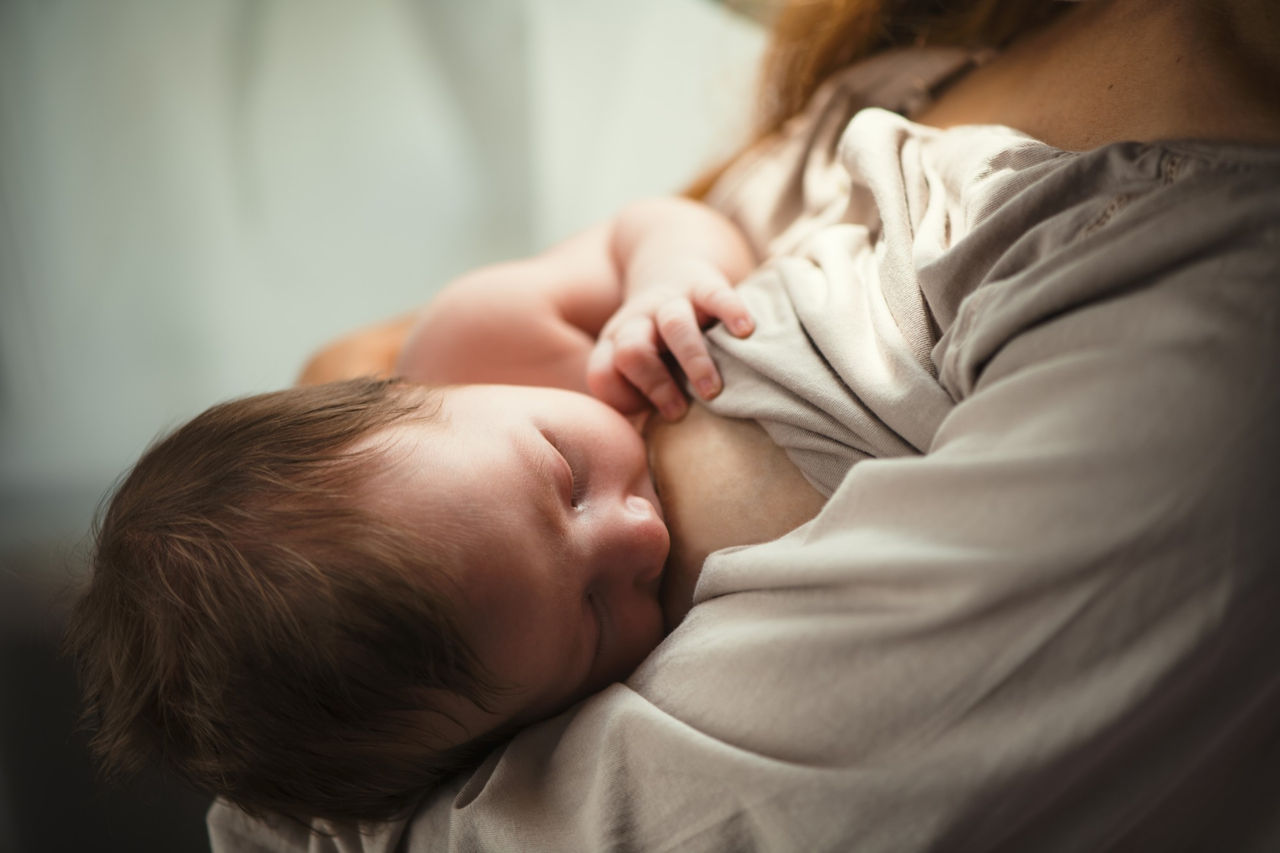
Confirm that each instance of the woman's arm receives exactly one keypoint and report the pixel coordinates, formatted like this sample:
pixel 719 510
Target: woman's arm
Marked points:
pixel 370 351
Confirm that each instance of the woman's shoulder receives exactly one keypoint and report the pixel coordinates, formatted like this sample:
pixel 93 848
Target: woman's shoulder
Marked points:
pixel 1170 247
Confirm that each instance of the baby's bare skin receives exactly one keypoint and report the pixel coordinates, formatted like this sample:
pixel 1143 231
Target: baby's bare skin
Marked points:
pixel 722 482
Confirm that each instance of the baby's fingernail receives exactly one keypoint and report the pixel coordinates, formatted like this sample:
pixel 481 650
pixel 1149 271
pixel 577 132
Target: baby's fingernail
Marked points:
pixel 708 388
pixel 742 326
pixel 673 410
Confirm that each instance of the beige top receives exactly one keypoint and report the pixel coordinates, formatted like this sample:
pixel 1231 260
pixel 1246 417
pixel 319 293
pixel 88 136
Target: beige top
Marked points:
pixel 1041 611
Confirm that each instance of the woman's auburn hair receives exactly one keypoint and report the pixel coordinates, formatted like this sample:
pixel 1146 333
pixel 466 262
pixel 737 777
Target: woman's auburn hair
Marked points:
pixel 812 39
pixel 248 622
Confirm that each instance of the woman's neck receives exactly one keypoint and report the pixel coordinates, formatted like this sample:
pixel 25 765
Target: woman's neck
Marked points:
pixel 1145 70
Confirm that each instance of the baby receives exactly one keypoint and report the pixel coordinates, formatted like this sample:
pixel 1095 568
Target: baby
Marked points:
pixel 325 600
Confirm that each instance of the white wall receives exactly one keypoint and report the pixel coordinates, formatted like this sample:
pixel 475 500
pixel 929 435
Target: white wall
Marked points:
pixel 193 195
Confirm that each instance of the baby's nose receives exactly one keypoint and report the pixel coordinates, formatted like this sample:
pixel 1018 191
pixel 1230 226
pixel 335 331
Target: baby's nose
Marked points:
pixel 640 507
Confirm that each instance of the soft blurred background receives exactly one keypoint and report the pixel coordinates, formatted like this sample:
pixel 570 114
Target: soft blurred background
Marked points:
pixel 195 194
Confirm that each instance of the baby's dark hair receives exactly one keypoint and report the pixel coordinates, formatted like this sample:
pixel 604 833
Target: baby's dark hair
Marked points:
pixel 250 624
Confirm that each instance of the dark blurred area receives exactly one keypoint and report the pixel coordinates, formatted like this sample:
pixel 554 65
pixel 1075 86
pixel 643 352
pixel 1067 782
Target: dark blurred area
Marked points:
pixel 51 799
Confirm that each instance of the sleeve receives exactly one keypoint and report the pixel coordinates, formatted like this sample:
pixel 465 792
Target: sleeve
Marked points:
pixel 1056 629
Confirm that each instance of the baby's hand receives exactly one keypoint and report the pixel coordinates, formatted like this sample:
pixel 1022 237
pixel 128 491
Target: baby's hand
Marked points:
pixel 627 369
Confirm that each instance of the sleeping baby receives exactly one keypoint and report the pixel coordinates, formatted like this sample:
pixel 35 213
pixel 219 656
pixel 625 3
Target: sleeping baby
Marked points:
pixel 325 600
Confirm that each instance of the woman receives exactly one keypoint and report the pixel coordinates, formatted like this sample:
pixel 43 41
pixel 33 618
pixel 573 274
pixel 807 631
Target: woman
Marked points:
pixel 1038 611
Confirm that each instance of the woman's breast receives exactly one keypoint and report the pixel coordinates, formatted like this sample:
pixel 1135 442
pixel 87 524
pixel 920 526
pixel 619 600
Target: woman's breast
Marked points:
pixel 722 482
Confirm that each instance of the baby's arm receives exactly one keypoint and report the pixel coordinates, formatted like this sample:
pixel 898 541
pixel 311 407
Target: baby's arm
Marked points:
pixel 531 321
pixel 535 321
pixel 526 322
pixel 679 262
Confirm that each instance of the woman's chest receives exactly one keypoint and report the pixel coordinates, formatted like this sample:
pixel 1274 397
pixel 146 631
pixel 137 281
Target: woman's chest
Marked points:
pixel 722 483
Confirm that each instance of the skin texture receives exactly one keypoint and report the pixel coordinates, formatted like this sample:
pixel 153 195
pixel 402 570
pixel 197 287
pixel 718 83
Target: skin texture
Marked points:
pixel 747 491
pixel 1145 70
pixel 562 538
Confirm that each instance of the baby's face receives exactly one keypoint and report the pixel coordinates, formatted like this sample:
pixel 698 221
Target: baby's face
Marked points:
pixel 563 539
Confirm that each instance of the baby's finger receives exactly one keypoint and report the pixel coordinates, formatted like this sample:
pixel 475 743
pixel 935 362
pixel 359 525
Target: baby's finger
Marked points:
pixel 608 385
pixel 636 356
pixel 721 300
pixel 680 331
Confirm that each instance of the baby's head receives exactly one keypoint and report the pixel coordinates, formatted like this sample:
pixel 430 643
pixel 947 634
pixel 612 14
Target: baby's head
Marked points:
pixel 325 600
